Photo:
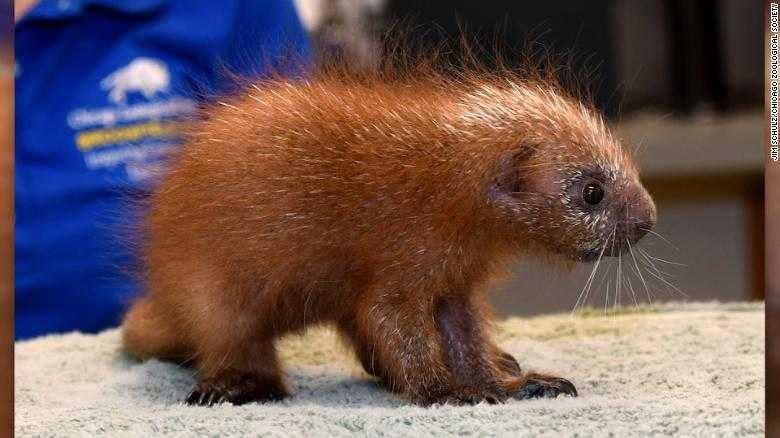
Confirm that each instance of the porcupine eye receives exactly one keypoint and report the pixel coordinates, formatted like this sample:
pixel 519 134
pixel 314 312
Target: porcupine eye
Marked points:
pixel 592 193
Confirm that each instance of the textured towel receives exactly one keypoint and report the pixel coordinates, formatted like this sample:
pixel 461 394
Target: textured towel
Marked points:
pixel 688 369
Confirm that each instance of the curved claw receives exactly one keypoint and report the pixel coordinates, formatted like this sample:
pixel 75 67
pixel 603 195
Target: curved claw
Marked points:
pixel 469 395
pixel 237 390
pixel 545 387
pixel 204 398
pixel 473 399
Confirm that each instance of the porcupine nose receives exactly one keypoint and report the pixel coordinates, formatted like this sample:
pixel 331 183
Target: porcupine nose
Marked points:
pixel 642 215
pixel 639 230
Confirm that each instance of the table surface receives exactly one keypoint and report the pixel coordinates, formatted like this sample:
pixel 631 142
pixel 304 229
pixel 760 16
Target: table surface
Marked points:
pixel 693 369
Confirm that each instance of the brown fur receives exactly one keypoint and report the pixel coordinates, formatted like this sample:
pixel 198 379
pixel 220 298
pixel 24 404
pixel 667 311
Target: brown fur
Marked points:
pixel 379 204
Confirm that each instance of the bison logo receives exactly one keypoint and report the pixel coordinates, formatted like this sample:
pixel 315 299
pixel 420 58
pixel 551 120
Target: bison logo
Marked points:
pixel 144 75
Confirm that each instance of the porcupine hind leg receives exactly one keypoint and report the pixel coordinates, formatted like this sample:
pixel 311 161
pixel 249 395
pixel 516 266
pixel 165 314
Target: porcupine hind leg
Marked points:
pixel 239 376
pixel 236 357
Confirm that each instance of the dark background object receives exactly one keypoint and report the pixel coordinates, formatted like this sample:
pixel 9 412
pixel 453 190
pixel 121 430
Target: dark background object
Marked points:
pixel 579 29
pixel 697 64
pixel 683 56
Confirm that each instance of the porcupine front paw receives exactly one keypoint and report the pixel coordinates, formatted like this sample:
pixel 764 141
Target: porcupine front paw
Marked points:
pixel 472 396
pixel 541 386
pixel 236 389
pixel 466 394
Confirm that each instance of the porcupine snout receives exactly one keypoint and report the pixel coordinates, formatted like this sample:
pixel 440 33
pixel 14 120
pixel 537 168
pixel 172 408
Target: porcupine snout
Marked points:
pixel 639 218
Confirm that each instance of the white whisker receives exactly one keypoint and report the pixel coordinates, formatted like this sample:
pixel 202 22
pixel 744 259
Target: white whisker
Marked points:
pixel 589 282
pixel 662 238
pixel 660 274
pixel 619 282
pixel 631 288
pixel 638 271
pixel 665 261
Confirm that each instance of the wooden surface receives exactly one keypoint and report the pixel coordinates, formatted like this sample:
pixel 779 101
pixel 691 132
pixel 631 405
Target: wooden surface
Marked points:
pixel 6 243
pixel 773 295
pixel 671 147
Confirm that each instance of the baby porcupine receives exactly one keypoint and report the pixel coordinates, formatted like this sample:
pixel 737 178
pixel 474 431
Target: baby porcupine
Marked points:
pixel 381 205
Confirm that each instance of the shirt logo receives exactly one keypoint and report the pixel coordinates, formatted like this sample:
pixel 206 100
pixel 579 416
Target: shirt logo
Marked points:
pixel 139 126
pixel 143 75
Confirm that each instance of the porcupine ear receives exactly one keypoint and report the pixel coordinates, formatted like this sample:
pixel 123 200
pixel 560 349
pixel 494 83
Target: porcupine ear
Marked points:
pixel 509 180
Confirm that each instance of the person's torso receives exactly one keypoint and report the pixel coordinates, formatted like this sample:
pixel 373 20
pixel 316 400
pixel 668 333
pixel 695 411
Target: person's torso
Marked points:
pixel 99 91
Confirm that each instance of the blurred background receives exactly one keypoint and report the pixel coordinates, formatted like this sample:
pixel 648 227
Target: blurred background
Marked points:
pixel 682 82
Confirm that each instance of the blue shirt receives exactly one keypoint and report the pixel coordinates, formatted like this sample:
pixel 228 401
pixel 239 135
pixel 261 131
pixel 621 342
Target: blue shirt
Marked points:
pixel 99 86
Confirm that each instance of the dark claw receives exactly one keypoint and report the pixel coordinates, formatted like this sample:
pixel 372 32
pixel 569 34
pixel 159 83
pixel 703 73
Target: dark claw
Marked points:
pixel 468 396
pixel 271 396
pixel 204 398
pixel 237 390
pixel 566 387
pixel 214 399
pixel 491 399
pixel 195 398
pixel 546 387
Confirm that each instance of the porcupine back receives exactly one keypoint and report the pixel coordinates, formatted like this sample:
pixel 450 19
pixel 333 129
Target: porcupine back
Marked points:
pixel 331 178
